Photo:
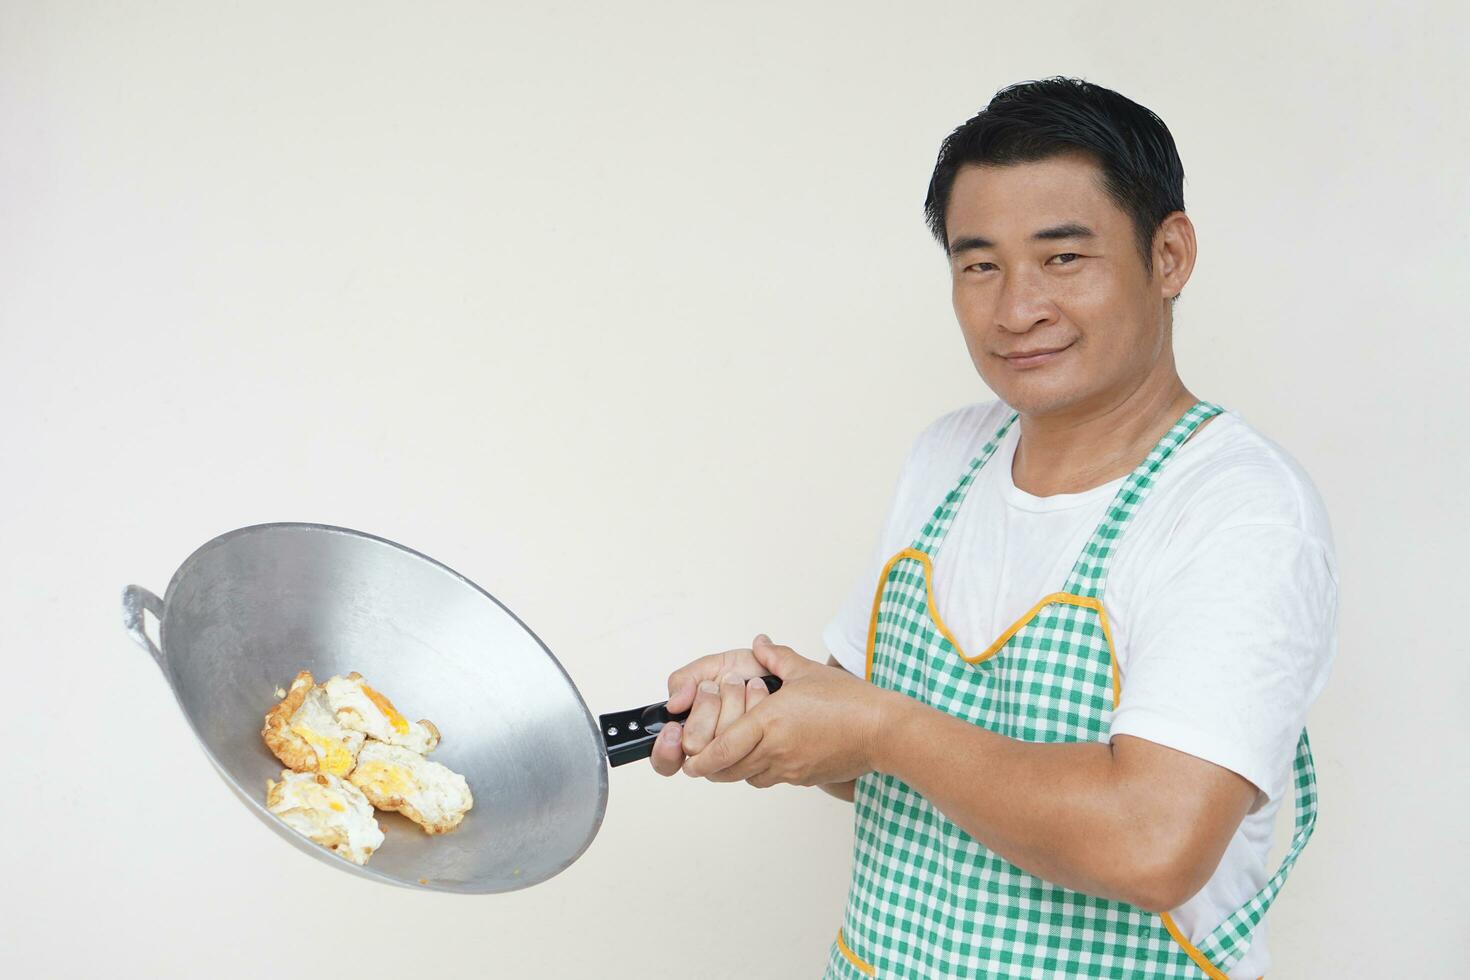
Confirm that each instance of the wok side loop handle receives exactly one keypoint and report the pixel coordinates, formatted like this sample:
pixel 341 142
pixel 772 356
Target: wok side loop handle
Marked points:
pixel 629 735
pixel 137 600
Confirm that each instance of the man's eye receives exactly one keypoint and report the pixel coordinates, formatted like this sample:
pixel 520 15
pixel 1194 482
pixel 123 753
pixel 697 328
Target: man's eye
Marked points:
pixel 1067 255
pixel 977 266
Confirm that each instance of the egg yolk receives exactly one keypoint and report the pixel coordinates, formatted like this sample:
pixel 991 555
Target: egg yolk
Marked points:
pixel 387 779
pixel 335 759
pixel 399 723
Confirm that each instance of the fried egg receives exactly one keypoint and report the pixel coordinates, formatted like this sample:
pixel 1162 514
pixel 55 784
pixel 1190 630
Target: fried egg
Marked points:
pixel 393 778
pixel 359 708
pixel 304 733
pixel 328 810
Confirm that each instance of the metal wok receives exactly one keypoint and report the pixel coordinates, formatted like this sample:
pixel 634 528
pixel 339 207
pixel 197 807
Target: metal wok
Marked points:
pixel 249 609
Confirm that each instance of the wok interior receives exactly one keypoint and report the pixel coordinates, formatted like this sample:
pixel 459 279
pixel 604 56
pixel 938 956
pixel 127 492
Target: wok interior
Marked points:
pixel 249 610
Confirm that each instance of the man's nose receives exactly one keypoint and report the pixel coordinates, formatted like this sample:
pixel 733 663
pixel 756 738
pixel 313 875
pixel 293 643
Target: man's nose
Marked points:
pixel 1023 303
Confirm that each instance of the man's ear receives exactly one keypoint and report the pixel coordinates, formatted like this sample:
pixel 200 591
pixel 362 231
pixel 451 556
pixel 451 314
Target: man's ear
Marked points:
pixel 1174 253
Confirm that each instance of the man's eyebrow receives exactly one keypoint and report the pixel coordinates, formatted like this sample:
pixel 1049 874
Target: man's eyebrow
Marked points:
pixel 1070 229
pixel 969 242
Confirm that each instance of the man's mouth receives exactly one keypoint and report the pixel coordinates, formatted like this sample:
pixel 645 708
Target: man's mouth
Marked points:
pixel 1034 356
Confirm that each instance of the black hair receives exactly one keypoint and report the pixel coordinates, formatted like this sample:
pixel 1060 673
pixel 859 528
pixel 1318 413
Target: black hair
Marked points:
pixel 1035 120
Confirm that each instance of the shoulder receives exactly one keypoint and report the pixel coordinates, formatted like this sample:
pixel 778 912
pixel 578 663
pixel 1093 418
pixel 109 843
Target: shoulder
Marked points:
pixel 960 432
pixel 942 450
pixel 1230 474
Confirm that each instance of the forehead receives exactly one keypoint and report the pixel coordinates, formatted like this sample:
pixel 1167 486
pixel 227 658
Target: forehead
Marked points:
pixel 1012 201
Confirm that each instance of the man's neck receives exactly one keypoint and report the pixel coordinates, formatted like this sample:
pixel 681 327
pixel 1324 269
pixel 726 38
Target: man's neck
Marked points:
pixel 1076 451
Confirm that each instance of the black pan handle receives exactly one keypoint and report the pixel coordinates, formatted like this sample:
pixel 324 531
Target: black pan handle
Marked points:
pixel 629 735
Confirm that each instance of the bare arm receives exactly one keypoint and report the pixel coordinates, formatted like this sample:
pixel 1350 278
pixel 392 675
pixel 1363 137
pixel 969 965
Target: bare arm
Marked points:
pixel 1131 820
pixel 1134 820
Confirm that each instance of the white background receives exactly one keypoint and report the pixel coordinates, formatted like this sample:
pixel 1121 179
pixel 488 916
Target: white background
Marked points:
pixel 627 312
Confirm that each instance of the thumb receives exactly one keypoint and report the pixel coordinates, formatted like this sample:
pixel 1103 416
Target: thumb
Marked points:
pixel 780 661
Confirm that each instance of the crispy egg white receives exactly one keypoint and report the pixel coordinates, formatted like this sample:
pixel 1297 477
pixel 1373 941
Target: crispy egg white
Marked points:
pixel 359 708
pixel 394 778
pixel 328 810
pixel 304 733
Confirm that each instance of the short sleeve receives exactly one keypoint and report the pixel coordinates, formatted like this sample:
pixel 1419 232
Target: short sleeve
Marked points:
pixel 1230 646
pixel 846 635
pixel 934 460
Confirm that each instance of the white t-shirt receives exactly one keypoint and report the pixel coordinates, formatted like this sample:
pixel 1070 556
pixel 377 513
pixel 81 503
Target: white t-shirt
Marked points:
pixel 1221 596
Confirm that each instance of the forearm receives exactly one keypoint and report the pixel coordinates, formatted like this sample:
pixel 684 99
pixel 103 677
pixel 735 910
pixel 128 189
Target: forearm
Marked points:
pixel 1066 812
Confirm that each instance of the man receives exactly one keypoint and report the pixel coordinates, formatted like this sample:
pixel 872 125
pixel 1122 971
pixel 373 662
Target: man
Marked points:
pixel 1068 695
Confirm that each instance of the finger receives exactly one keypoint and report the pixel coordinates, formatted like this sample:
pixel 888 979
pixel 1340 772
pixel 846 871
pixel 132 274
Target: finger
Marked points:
pixel 667 756
pixel 776 660
pixel 681 695
pixel 684 682
pixel 753 764
pixel 755 692
pixel 732 702
pixel 699 727
pixel 728 749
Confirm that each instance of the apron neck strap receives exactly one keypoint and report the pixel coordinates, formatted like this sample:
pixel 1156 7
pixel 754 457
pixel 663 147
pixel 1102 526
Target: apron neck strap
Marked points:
pixel 933 532
pixel 1089 573
pixel 1232 938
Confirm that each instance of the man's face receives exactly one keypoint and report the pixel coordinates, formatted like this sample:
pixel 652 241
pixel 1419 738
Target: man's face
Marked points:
pixel 1041 259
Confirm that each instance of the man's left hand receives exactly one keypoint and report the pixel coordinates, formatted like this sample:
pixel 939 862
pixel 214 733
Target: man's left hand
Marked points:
pixel 821 727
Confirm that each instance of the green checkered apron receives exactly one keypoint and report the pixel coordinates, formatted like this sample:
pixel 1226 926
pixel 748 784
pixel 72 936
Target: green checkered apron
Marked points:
pixel 927 899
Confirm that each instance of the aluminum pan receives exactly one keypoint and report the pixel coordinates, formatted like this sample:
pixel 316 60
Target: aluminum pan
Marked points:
pixel 250 608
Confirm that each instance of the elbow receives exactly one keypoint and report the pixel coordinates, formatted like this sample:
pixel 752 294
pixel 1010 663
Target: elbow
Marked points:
pixel 1168 841
pixel 1160 882
pixel 1161 892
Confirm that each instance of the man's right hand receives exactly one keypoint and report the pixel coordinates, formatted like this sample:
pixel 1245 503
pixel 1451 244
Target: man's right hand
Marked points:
pixel 716 690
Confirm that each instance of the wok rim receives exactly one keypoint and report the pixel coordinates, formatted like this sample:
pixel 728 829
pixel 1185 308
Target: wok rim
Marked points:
pixel 308 846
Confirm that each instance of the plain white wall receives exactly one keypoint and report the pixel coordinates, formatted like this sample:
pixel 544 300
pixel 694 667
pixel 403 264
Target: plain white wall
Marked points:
pixel 627 312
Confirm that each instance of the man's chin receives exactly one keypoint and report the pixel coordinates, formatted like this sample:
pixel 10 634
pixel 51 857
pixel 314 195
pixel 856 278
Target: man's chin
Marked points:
pixel 1034 397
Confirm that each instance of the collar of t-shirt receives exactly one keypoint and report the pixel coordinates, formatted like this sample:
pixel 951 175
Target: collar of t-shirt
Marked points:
pixel 1014 496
